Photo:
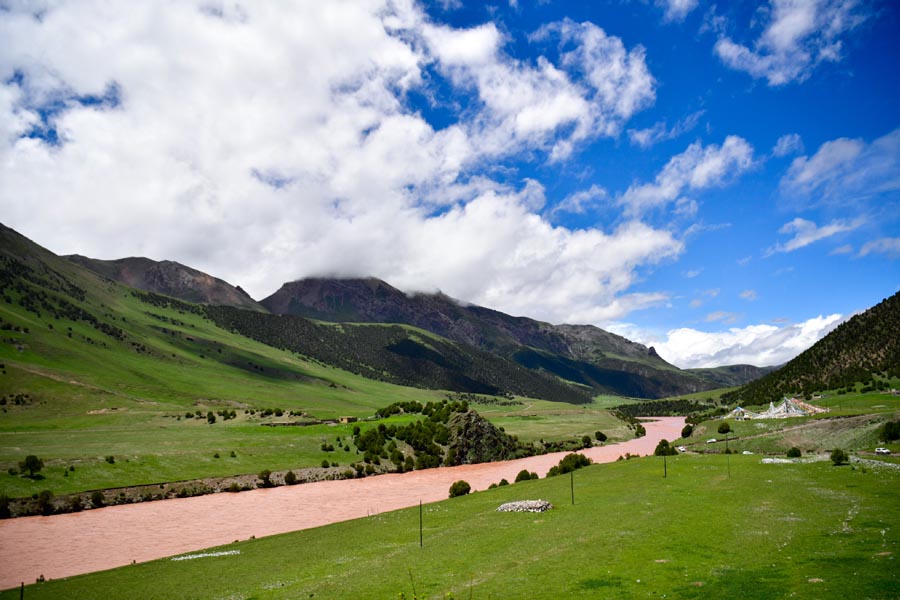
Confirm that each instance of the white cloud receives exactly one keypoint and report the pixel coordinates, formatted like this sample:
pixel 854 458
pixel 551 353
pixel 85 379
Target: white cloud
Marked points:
pixel 790 143
pixel 845 249
pixel 692 273
pixel 677 10
pixel 806 232
pixel 760 345
pixel 582 201
pixel 723 316
pixel 845 169
pixel 749 295
pixel 890 247
pixel 696 168
pixel 269 142
pixel 646 138
pixel 799 36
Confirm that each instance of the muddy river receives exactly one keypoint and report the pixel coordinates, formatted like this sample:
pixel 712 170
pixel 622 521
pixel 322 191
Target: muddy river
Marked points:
pixel 70 544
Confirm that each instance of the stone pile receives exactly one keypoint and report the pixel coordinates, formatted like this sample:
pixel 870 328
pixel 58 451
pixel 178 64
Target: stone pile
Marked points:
pixel 525 506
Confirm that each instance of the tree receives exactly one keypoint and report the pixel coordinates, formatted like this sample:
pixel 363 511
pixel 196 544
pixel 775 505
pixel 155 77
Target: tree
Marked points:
pixel 45 502
pixel 586 441
pixel 524 475
pixel 794 452
pixel 601 437
pixel 725 429
pixel 839 457
pixel 32 464
pixel 290 478
pixel 687 431
pixel 459 488
pixel 210 417
pixel 97 498
pixel 664 449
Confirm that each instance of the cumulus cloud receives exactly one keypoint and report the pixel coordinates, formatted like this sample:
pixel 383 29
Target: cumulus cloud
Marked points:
pixel 749 295
pixel 697 168
pixel 843 169
pixel 267 142
pixel 798 37
pixel 806 232
pixel 760 345
pixel 583 200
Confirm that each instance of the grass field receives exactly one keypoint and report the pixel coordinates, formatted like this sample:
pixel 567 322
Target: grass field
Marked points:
pixel 799 530
pixel 88 400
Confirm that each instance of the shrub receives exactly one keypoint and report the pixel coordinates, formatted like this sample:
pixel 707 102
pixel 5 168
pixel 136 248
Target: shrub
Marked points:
pixel 890 431
pixel 569 463
pixel 524 475
pixel 111 459
pixel 325 463
pixel 839 457
pixel 794 452
pixel 265 477
pixel 75 504
pixel 503 482
pixel 290 478
pixel 5 513
pixel 210 417
pixel 600 436
pixel 459 488
pixel 234 487
pixel 724 428
pixel 96 498
pixel 216 455
pixel 687 431
pixel 32 464
pixel 45 502
pixel 233 455
pixel 586 441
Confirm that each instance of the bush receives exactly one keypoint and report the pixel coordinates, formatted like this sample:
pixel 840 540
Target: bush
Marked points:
pixel 524 475
pixel 45 502
pixel 569 463
pixel 724 428
pixel 839 457
pixel 600 436
pixel 586 441
pixel 5 513
pixel 890 431
pixel 111 460
pixel 265 477
pixel 96 498
pixel 503 482
pixel 459 488
pixel 794 452
pixel 290 478
pixel 687 431
pixel 234 487
pixel 325 463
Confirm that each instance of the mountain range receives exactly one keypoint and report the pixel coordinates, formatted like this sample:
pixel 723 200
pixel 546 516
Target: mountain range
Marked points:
pixel 366 326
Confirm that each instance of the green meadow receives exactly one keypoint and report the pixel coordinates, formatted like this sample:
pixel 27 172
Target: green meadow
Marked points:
pixel 715 527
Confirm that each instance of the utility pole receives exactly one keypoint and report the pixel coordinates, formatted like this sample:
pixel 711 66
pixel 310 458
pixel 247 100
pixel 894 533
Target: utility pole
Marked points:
pixel 572 485
pixel 420 524
pixel 665 469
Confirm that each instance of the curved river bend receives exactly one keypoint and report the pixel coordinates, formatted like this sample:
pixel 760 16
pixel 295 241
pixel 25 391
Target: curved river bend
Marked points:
pixel 71 544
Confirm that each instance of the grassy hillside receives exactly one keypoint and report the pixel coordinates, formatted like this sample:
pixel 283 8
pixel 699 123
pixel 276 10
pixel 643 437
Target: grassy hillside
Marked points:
pixel 802 531
pixel 864 349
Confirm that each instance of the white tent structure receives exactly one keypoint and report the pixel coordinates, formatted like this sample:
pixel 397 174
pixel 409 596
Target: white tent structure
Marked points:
pixel 789 407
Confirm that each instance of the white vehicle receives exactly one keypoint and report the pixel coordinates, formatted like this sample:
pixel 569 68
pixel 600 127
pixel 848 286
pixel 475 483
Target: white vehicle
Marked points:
pixel 681 449
pixel 746 452
pixel 882 451
pixel 712 441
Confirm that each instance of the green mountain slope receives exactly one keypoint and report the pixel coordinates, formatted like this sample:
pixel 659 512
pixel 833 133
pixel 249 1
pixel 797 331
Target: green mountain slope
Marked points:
pixel 582 354
pixel 862 349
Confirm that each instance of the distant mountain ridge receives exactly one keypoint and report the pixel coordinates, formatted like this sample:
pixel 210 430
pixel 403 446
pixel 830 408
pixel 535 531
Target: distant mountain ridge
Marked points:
pixel 582 354
pixel 169 278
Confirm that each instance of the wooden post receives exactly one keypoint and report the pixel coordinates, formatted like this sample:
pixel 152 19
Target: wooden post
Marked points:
pixel 572 485
pixel 420 524
pixel 22 591
pixel 665 469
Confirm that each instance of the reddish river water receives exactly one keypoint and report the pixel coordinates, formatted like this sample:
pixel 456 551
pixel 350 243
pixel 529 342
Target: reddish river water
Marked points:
pixel 70 544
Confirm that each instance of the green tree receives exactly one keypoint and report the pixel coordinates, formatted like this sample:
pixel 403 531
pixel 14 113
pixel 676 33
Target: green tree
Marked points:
pixel 32 464
pixel 725 429
pixel 459 488
pixel 839 457
pixel 586 441
pixel 600 436
pixel 687 431
pixel 524 475
pixel 290 478
pixel 794 452
pixel 664 449
pixel 45 502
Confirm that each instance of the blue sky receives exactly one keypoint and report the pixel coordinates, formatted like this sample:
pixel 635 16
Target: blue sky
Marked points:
pixel 721 181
